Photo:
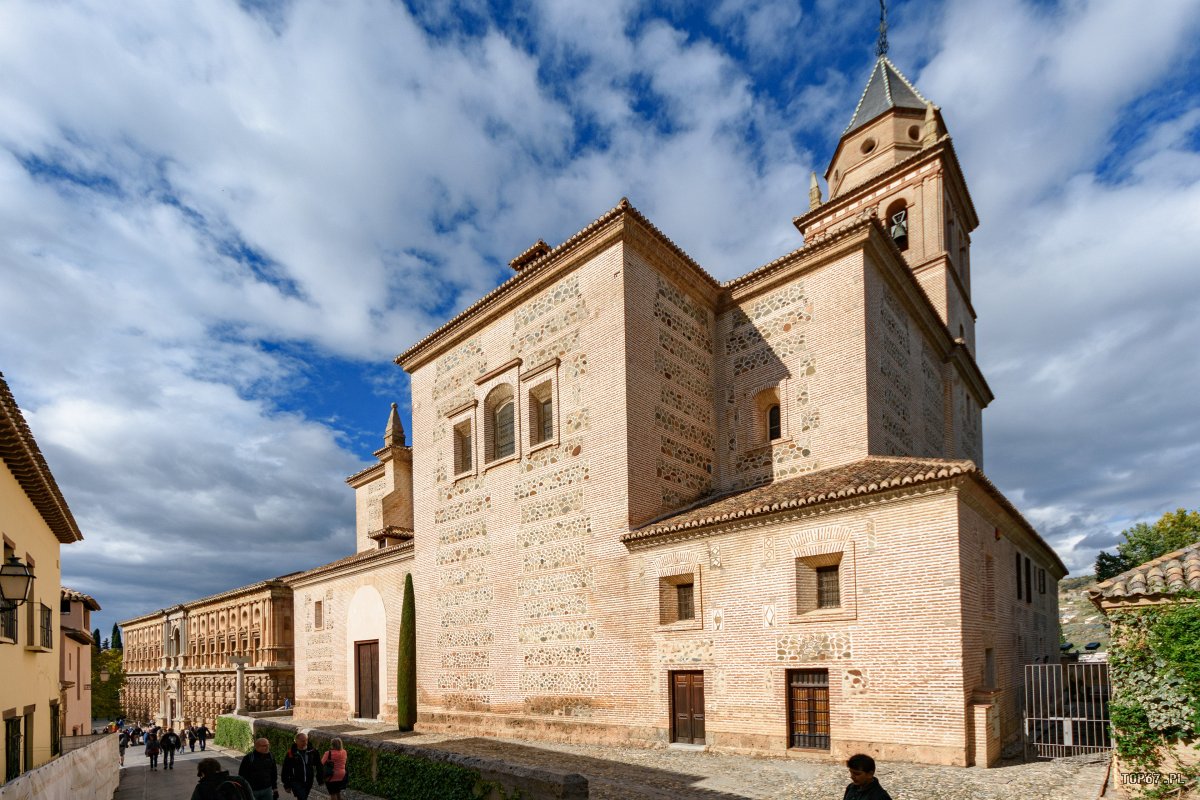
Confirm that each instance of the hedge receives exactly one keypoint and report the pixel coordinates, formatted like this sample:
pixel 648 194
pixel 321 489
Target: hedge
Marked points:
pixel 234 734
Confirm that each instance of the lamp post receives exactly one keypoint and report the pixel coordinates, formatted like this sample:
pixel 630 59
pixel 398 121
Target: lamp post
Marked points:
pixel 104 675
pixel 15 580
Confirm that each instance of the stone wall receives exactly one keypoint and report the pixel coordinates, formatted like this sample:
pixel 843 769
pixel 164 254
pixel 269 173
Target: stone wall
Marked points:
pixel 91 771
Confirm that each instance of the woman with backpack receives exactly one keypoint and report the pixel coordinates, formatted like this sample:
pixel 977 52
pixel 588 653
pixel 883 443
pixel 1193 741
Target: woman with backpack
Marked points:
pixel 152 750
pixel 334 765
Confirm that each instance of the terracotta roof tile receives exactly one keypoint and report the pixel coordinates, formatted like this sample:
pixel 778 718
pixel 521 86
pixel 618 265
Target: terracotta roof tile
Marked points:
pixel 1173 573
pixel 19 452
pixel 86 599
pixel 354 558
pixel 869 476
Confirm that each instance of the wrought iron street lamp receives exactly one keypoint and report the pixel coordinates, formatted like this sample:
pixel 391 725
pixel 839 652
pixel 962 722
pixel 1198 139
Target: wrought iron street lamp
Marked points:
pixel 15 580
pixel 104 675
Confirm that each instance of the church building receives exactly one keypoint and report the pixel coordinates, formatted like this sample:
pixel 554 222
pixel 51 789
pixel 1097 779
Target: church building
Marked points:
pixel 643 505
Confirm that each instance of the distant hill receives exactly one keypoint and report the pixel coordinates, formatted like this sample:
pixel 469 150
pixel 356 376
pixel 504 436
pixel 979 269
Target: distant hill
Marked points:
pixel 1081 621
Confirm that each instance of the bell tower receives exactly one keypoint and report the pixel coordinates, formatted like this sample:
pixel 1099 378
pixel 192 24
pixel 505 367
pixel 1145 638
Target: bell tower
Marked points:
pixel 895 160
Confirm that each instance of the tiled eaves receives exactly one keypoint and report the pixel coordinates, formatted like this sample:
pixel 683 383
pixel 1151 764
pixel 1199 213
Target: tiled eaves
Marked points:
pixel 805 490
pixel 885 474
pixel 355 559
pixel 392 532
pixel 544 262
pixel 818 244
pixel 72 595
pixel 362 473
pixel 20 453
pixel 1174 573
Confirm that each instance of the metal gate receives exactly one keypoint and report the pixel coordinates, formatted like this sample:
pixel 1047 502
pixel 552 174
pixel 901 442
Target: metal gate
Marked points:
pixel 1066 710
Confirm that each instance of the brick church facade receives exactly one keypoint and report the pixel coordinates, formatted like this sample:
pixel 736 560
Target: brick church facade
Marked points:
pixel 644 505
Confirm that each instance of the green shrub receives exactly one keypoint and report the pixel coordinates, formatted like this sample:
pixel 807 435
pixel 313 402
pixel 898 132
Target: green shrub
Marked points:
pixel 234 734
pixel 406 662
pixel 407 778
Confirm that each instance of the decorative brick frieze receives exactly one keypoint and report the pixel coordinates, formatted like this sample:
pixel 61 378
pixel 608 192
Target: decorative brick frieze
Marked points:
pixel 575 630
pixel 584 683
pixel 674 371
pixel 456 554
pixel 573 475
pixel 465 597
pixel 557 557
pixel 686 651
pixel 696 362
pixel 548 456
pixel 460 533
pixel 568 655
pixel 689 329
pixel 456 618
pixel 530 340
pixel 464 508
pixel 695 408
pixel 554 583
pixel 561 292
pixel 462 577
pixel 682 301
pixel 556 531
pixel 680 426
pixel 550 507
pixel 563 605
pixel 466 680
pixel 465 639
pixel 466 659
pixel 822 646
pixel 556 349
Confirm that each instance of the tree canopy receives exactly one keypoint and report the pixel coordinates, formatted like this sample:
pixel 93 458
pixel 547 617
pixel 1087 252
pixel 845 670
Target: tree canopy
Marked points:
pixel 1144 542
pixel 116 638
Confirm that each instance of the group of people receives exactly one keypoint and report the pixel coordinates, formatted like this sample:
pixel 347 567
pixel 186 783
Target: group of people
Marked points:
pixel 259 777
pixel 162 743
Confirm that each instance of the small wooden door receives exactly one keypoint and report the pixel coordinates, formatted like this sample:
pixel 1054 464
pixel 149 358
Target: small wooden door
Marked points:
pixel 366 679
pixel 687 707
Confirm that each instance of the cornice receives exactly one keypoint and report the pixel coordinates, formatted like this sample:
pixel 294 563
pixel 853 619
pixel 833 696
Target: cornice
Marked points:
pixel 271 587
pixel 364 476
pixel 592 239
pixel 359 562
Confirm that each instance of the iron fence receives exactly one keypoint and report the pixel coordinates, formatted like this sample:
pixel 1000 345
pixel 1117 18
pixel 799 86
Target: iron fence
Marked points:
pixel 1066 710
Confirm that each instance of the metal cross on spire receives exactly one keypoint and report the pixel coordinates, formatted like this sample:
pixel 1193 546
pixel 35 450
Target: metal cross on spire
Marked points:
pixel 882 47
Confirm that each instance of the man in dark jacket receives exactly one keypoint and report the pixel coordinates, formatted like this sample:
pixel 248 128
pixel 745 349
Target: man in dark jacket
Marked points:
pixel 169 743
pixel 217 784
pixel 258 767
pixel 201 734
pixel 301 766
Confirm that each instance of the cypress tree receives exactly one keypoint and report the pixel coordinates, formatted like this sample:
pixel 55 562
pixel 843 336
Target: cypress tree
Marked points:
pixel 116 638
pixel 406 667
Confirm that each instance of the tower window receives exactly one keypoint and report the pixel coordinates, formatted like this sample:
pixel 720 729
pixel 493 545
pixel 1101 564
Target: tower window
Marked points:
pixel 500 423
pixel 541 413
pixel 828 588
pixel 504 430
pixel 897 223
pixel 462 447
pixel 774 423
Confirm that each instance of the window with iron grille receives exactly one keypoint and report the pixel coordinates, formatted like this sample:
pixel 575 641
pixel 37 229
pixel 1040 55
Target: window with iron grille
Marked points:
pixel 684 593
pixel 808 708
pixel 12 748
pixel 46 626
pixel 828 589
pixel 774 423
pixel 8 621
pixel 55 742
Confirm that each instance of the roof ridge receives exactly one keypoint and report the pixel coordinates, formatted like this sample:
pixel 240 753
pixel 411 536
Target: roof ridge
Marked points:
pixel 1151 564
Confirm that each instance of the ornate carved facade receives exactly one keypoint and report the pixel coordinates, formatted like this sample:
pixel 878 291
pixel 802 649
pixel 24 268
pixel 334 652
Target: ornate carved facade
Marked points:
pixel 177 660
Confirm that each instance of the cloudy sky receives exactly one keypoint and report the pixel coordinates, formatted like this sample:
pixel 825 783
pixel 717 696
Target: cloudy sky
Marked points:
pixel 220 221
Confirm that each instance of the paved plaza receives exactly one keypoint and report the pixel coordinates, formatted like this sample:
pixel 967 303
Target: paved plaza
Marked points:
pixel 634 773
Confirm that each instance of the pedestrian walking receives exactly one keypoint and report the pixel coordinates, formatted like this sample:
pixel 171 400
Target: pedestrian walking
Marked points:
pixel 259 770
pixel 300 768
pixel 863 783
pixel 152 750
pixel 122 745
pixel 333 765
pixel 170 743
pixel 201 734
pixel 191 738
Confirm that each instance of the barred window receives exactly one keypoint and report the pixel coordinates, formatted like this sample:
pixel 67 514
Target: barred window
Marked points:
pixel 684 595
pixel 46 625
pixel 828 589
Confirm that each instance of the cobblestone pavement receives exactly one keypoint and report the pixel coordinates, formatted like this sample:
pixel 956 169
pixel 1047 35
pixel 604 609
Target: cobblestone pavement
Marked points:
pixel 634 773
pixel 139 783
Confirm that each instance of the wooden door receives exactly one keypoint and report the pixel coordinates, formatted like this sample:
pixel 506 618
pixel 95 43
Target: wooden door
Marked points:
pixel 808 708
pixel 687 707
pixel 366 679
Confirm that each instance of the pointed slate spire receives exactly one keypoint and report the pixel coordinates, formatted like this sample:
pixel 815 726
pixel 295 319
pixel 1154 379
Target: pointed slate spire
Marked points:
pixel 814 192
pixel 887 88
pixel 394 435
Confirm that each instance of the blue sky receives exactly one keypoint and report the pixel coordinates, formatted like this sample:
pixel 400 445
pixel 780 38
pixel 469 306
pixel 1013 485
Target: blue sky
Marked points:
pixel 219 222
